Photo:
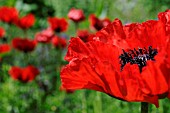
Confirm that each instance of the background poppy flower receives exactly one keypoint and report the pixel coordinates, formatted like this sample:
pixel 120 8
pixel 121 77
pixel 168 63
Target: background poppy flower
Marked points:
pixel 26 21
pixel 24 44
pixel 83 34
pixel 29 73
pixel 15 72
pixel 8 14
pixel 76 15
pixel 58 24
pixel 4 48
pixel 26 74
pixel 59 42
pixel 2 32
pixel 44 36
pixel 97 64
pixel 96 23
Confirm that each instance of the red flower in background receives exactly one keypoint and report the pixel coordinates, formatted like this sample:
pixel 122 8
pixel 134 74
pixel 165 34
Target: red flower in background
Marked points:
pixel 44 36
pixel 24 44
pixel 26 74
pixel 4 48
pixel 58 24
pixel 8 14
pixel 83 34
pixel 121 61
pixel 26 21
pixel 76 15
pixel 59 42
pixel 98 24
pixel 2 32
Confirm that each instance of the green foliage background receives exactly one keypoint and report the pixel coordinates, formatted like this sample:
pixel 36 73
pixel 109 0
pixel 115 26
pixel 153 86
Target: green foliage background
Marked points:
pixel 16 97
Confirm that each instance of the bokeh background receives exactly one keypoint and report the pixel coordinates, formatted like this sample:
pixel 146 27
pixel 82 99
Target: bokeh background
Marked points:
pixel 44 95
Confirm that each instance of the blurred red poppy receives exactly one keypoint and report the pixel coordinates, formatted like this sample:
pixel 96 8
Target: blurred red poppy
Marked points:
pixel 8 14
pixel 26 74
pixel 26 21
pixel 121 61
pixel 59 42
pixel 2 32
pixel 44 36
pixel 83 34
pixel 24 44
pixel 4 48
pixel 58 24
pixel 96 23
pixel 76 15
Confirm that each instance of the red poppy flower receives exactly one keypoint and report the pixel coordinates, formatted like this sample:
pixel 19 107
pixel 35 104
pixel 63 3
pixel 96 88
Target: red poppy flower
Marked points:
pixel 58 24
pixel 4 48
pixel 76 15
pixel 26 21
pixel 59 42
pixel 98 24
pixel 26 74
pixel 121 61
pixel 2 32
pixel 44 36
pixel 165 18
pixel 24 44
pixel 8 14
pixel 83 34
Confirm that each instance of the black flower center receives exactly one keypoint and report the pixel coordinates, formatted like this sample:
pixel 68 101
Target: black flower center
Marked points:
pixel 139 57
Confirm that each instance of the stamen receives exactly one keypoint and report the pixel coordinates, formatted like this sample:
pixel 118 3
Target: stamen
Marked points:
pixel 138 57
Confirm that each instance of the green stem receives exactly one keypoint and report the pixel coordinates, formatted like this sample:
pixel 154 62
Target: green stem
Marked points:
pixel 84 103
pixel 25 34
pixel 76 26
pixel 144 107
pixel 9 32
pixel 98 103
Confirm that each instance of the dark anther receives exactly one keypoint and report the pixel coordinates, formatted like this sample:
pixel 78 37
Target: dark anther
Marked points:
pixel 138 57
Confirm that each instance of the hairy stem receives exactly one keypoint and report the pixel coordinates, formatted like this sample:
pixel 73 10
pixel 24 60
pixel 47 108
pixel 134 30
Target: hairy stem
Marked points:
pixel 144 107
